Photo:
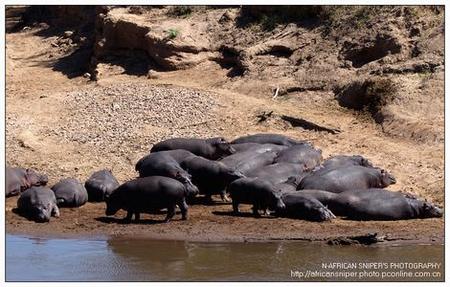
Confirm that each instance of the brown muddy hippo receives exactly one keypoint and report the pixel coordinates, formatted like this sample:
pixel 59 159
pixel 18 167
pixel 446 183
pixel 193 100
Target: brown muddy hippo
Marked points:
pixel 20 179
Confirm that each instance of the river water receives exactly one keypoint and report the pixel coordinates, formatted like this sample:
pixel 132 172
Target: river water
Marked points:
pixel 46 259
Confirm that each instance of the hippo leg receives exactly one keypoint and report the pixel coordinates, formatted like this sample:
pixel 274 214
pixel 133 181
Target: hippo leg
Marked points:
pixel 137 216
pixel 235 207
pixel 208 199
pixel 223 195
pixel 170 213
pixel 129 216
pixel 266 212
pixel 255 210
pixel 184 208
pixel 55 211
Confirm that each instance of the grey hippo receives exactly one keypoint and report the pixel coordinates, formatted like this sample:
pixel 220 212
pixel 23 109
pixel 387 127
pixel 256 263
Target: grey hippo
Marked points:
pixel 375 204
pixel 348 178
pixel 38 203
pixel 149 195
pixel 267 139
pixel 19 179
pixel 214 148
pixel 100 185
pixel 70 192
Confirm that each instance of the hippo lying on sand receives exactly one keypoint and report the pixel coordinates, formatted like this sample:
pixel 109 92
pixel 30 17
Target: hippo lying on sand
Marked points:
pixel 209 176
pixel 248 161
pixel 348 178
pixel 38 203
pixel 70 192
pixel 267 139
pixel 20 179
pixel 260 193
pixel 375 204
pixel 256 147
pixel 304 207
pixel 214 148
pixel 340 161
pixel 100 185
pixel 149 195
pixel 301 154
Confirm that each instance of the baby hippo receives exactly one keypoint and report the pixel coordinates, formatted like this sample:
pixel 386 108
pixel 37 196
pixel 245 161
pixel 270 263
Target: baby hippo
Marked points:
pixel 70 192
pixel 213 148
pixel 38 203
pixel 304 207
pixel 20 179
pixel 260 193
pixel 100 185
pixel 149 195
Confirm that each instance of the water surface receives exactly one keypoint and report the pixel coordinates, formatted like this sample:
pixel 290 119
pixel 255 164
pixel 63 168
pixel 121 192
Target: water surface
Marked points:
pixel 38 259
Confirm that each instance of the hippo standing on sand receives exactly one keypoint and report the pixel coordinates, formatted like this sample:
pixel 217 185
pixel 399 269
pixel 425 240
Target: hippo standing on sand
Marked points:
pixel 303 154
pixel 149 195
pixel 375 204
pixel 260 193
pixel 267 139
pixel 166 163
pixel 214 148
pixel 279 172
pixel 70 192
pixel 20 179
pixel 38 203
pixel 300 206
pixel 209 176
pixel 100 185
pixel 248 161
pixel 348 178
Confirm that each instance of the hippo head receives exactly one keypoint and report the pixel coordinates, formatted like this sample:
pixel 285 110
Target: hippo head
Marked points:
pixel 318 212
pixel 185 178
pixel 113 203
pixel 277 202
pixel 387 179
pixel 430 210
pixel 223 149
pixel 42 212
pixel 35 179
pixel 233 175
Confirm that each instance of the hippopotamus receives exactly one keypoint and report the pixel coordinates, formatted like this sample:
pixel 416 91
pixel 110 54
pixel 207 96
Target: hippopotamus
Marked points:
pixel 303 154
pixel 248 161
pixel 20 179
pixel 100 185
pixel 166 163
pixel 209 176
pixel 348 178
pixel 300 206
pixel 70 192
pixel 342 161
pixel 260 193
pixel 267 139
pixel 278 172
pixel 375 204
pixel 214 148
pixel 256 147
pixel 149 195
pixel 38 203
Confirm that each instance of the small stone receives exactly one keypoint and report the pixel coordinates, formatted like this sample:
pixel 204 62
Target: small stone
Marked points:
pixel 68 34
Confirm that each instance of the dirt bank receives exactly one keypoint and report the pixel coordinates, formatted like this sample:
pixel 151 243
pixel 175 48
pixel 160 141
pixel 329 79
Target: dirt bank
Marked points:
pixel 64 125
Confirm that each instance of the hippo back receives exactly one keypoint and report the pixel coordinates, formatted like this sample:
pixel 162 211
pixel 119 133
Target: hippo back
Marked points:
pixel 100 185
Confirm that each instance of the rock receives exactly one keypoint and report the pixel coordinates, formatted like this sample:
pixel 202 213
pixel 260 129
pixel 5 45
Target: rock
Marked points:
pixel 68 34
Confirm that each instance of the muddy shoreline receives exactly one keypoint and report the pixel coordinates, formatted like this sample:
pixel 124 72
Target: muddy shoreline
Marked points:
pixel 216 224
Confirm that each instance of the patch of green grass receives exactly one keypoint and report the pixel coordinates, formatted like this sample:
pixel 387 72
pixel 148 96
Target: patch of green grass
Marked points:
pixel 172 33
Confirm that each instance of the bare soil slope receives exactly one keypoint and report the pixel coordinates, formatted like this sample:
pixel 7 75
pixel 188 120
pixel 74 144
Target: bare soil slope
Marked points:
pixel 214 77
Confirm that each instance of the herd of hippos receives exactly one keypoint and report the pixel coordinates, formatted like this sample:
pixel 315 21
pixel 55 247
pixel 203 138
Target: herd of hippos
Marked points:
pixel 276 174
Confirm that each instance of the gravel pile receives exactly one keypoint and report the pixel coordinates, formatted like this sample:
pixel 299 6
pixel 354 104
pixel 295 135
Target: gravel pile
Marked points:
pixel 128 117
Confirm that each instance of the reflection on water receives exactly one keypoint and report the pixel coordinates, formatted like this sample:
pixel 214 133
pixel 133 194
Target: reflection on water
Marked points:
pixel 150 260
